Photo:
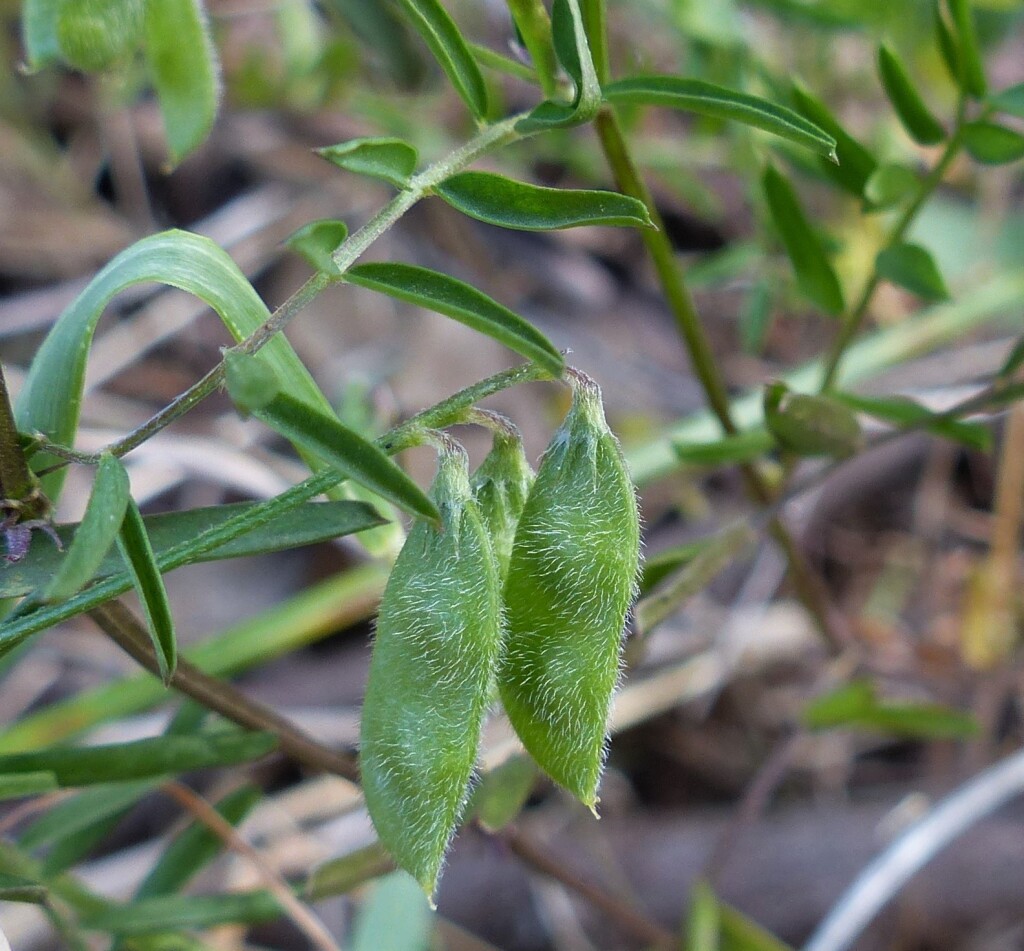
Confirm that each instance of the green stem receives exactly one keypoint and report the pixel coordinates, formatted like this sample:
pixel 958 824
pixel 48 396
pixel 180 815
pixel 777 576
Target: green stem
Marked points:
pixel 596 27
pixel 534 24
pixel 855 318
pixel 807 586
pixel 446 413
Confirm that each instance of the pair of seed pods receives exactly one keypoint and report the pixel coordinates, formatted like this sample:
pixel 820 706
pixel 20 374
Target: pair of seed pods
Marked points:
pixel 526 581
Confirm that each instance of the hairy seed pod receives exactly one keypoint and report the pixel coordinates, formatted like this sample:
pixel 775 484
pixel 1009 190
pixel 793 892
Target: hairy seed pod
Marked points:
pixel 570 581
pixel 500 487
pixel 438 637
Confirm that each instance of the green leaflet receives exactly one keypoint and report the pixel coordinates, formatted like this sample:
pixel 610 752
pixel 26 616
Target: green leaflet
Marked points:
pixel 253 385
pixel 889 185
pixel 905 412
pixel 502 201
pixel 992 144
pixel 573 52
pixel 185 69
pixel 1010 100
pixel 440 33
pixel 438 636
pixel 389 159
pixel 140 759
pixel 317 242
pixel 306 524
pixel 695 95
pixel 137 551
pixel 853 164
pixel 814 273
pixel 578 534
pixel 971 73
pixel 461 302
pixel 912 267
pixel 96 533
pixel 916 117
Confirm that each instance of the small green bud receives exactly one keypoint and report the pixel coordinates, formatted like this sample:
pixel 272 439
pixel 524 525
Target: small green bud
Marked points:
pixel 810 425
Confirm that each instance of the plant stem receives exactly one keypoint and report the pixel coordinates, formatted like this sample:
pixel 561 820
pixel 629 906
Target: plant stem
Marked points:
pixel 855 318
pixel 596 27
pixel 124 629
pixel 808 588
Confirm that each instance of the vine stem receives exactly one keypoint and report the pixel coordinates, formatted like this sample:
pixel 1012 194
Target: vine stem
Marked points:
pixel 808 588
pixel 855 318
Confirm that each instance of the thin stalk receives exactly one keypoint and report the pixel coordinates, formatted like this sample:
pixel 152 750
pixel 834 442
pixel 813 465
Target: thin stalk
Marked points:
pixel 124 629
pixel 596 27
pixel 855 318
pixel 807 587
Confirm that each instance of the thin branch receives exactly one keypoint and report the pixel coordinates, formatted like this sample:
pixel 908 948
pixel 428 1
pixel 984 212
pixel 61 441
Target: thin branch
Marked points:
pixel 301 916
pixel 121 626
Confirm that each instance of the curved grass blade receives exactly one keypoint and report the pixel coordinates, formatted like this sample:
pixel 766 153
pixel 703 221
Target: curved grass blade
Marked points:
pixel 317 241
pixel 814 273
pixel 137 551
pixel 916 117
pixel 461 302
pixel 502 201
pixel 307 524
pixel 392 160
pixel 695 95
pixel 186 73
pixel 177 912
pixel 140 759
pixel 324 435
pixel 97 531
pixel 451 50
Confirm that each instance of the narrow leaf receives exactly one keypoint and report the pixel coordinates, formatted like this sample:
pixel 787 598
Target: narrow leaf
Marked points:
pixel 251 381
pixel 325 436
pixel 889 185
pixel 813 270
pixel 853 164
pixel 140 759
pixel 185 70
pixel 396 917
pixel 392 160
pixel 695 95
pixel 502 201
pixel 39 32
pixel 16 785
pixel 911 266
pixel 992 144
pixel 916 117
pixel 307 524
pixel 451 50
pixel 729 450
pixel 1014 360
pixel 573 51
pixel 19 888
pixel 317 242
pixel 905 412
pixel 97 531
pixel 195 847
pixel 137 551
pixel 946 41
pixel 503 792
pixel 339 876
pixel 461 302
pixel 972 74
pixel 81 811
pixel 178 912
pixel 702 919
pixel 1010 101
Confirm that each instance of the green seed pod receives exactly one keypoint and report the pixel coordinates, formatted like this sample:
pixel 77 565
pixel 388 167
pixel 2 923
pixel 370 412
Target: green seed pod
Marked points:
pixel 500 487
pixel 438 637
pixel 810 425
pixel 94 35
pixel 570 581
